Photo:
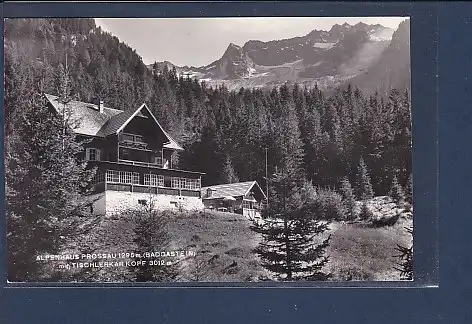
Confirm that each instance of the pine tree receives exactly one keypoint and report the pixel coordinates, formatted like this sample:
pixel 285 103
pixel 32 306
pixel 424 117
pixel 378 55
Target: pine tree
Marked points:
pixel 396 191
pixel 45 189
pixel 406 259
pixel 228 175
pixel 363 185
pixel 293 247
pixel 409 190
pixel 151 234
pixel 348 198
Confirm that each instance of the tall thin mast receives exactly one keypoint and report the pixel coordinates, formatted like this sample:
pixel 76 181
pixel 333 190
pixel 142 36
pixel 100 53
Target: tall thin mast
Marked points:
pixel 267 177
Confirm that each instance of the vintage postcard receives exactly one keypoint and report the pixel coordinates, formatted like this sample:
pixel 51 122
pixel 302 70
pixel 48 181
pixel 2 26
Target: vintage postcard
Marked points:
pixel 208 149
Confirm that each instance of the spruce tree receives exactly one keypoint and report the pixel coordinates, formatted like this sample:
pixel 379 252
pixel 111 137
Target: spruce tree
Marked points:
pixel 45 187
pixel 290 248
pixel 228 175
pixel 151 234
pixel 293 247
pixel 409 190
pixel 406 259
pixel 396 191
pixel 348 198
pixel 363 186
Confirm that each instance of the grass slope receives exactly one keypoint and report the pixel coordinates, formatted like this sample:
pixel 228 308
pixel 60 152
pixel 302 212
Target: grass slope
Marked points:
pixel 224 245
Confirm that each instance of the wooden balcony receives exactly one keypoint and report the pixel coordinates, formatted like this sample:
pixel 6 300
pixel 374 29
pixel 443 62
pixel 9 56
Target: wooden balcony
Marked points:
pixel 146 183
pixel 158 163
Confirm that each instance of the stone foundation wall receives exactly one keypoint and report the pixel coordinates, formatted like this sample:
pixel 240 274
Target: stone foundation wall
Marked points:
pixel 117 201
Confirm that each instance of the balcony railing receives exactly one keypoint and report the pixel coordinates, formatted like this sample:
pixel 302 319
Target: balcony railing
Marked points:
pixel 158 163
pixel 132 141
pixel 153 183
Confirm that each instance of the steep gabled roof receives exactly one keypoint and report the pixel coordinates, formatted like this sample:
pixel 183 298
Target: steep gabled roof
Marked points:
pixel 114 123
pixel 232 189
pixel 88 120
pixel 85 116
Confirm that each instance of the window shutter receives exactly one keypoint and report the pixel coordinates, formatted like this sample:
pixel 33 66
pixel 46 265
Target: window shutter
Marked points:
pixel 87 154
pixel 97 157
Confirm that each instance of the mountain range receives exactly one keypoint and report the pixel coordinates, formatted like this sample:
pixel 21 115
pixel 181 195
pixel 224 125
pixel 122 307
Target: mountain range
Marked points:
pixel 371 57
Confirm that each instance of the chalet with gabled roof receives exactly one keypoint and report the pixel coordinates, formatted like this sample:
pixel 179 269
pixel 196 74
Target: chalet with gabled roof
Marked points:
pixel 133 156
pixel 244 198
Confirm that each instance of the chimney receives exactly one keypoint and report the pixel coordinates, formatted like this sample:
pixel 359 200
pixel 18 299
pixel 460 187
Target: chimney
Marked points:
pixel 210 192
pixel 100 106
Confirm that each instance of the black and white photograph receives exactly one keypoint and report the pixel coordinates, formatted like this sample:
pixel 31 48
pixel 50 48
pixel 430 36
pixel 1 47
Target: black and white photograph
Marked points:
pixel 208 150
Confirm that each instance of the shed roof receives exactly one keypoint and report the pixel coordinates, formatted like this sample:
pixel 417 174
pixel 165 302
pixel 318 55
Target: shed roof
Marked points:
pixel 232 189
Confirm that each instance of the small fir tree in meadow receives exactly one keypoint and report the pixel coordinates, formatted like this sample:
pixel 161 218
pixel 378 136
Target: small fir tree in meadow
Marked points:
pixel 348 198
pixel 293 246
pixel 151 234
pixel 396 191
pixel 364 185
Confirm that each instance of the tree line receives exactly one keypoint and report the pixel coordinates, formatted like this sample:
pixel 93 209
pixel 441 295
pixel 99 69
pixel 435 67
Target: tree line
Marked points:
pixel 225 133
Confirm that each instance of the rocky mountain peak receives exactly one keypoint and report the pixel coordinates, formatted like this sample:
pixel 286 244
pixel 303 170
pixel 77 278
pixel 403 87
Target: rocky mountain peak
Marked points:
pixel 325 58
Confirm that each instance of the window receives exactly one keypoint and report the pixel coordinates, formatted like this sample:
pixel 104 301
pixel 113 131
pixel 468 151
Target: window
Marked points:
pixel 125 154
pixel 99 177
pixel 175 182
pixel 157 159
pixel 184 183
pixel 92 154
pixel 247 204
pixel 126 137
pixel 135 178
pixel 138 138
pixel 122 177
pixel 153 180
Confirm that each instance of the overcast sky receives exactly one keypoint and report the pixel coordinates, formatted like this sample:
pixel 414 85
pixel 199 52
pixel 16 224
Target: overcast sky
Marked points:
pixel 200 41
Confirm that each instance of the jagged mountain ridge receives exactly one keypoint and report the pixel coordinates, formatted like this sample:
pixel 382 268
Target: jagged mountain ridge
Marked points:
pixel 326 58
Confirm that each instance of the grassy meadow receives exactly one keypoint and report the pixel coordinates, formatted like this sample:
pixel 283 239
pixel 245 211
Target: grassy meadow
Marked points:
pixel 224 245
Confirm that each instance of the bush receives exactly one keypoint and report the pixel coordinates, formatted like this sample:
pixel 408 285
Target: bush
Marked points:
pixel 385 221
pixel 365 213
pixel 328 205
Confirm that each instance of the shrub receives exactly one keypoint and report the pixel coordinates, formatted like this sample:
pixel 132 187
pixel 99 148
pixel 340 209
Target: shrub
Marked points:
pixel 396 191
pixel 385 221
pixel 328 205
pixel 365 213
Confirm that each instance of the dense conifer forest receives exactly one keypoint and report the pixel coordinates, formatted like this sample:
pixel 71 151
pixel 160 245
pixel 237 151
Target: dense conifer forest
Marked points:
pixel 225 133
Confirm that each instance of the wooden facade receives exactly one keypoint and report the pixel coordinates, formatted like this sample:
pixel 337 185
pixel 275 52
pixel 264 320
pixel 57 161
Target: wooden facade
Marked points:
pixel 131 152
pixel 245 198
